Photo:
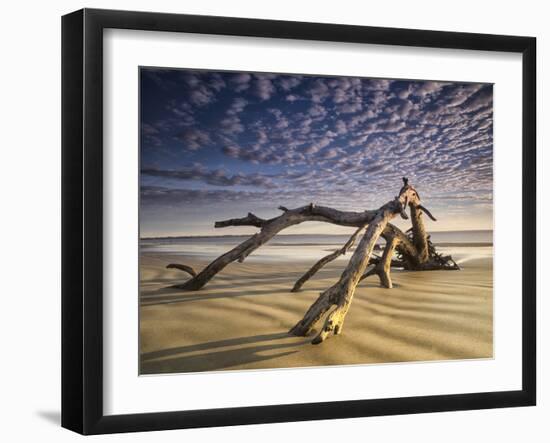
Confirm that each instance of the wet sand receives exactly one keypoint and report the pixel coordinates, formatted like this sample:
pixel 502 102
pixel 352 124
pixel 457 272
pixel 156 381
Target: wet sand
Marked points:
pixel 239 320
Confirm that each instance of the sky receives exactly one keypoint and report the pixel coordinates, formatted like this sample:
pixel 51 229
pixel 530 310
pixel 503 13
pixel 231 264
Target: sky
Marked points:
pixel 217 145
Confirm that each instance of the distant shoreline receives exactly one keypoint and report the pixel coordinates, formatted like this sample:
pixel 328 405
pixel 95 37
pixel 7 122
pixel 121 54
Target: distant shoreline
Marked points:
pixel 442 244
pixel 174 237
pixel 465 244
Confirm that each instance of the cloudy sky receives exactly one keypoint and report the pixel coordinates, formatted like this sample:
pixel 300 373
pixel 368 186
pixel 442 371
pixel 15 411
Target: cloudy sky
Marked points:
pixel 218 145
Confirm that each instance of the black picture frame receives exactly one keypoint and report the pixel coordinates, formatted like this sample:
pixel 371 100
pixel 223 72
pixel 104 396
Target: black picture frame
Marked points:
pixel 82 218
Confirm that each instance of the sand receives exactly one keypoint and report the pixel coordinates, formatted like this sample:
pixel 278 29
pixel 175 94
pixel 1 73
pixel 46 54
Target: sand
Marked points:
pixel 239 320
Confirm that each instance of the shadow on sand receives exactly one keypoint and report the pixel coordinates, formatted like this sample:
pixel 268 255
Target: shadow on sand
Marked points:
pixel 182 359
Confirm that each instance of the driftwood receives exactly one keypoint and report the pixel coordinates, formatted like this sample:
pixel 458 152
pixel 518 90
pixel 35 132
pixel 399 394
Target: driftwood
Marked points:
pixel 384 264
pixel 184 268
pixel 414 251
pixel 340 295
pixel 290 217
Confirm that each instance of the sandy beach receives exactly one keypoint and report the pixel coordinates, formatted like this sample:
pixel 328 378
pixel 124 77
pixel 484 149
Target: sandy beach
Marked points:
pixel 241 318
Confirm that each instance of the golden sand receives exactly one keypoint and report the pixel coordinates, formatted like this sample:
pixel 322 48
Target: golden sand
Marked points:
pixel 239 320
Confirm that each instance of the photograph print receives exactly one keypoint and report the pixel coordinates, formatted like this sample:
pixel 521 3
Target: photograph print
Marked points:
pixel 293 221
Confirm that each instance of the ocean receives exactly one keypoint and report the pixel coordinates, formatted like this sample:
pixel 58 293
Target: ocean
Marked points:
pixel 462 245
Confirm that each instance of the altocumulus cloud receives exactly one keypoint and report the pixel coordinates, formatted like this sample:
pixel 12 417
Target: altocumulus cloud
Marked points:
pixel 294 138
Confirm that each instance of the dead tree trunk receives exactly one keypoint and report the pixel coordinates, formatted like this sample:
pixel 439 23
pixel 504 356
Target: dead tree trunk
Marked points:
pixel 415 252
pixel 419 236
pixel 425 257
pixel 340 294
pixel 269 228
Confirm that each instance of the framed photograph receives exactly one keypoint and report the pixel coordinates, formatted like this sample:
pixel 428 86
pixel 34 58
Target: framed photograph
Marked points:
pixel 269 221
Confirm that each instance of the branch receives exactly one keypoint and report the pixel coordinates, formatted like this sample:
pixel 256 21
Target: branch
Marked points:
pixel 383 264
pixel 325 260
pixel 371 271
pixel 271 227
pixel 394 263
pixel 183 268
pixel 249 220
pixel 310 212
pixel 428 213
pixel 333 216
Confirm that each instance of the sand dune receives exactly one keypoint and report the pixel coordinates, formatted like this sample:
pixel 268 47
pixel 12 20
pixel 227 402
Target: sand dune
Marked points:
pixel 239 321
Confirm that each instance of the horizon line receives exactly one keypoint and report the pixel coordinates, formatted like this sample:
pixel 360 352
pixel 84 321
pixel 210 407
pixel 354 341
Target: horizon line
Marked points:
pixel 279 235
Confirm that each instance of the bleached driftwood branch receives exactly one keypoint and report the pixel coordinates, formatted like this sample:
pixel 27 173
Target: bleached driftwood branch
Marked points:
pixel 415 252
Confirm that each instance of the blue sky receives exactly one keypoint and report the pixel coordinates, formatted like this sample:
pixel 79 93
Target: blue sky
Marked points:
pixel 218 145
